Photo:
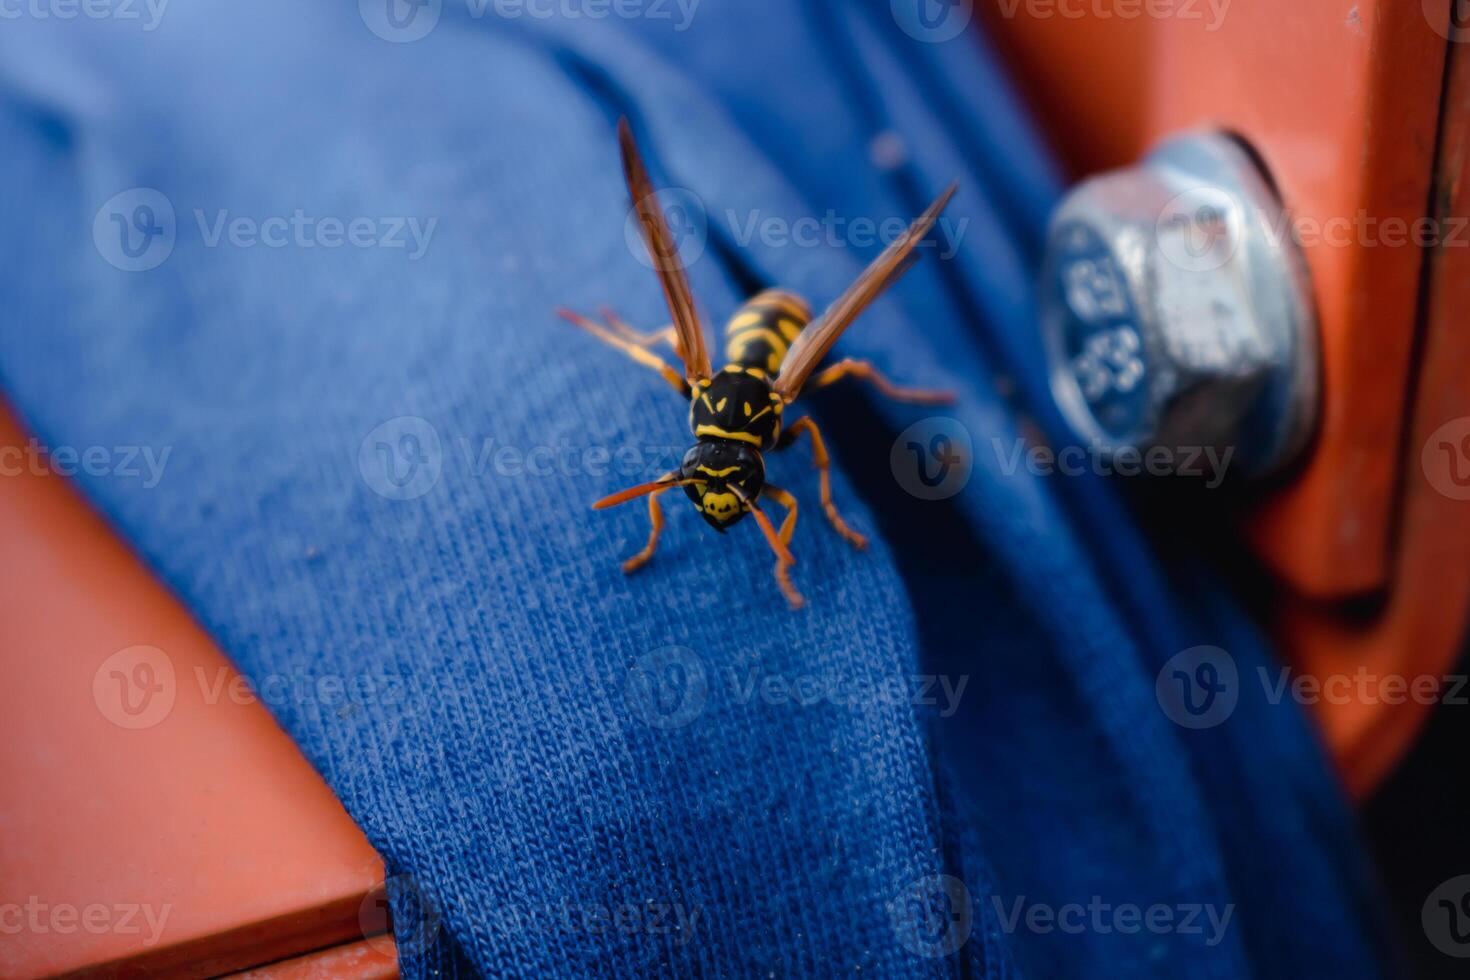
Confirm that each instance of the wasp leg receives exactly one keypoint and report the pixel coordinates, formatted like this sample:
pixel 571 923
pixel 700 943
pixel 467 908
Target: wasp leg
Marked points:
pixel 788 527
pixel 819 456
pixel 785 499
pixel 665 334
pixel 640 354
pixel 847 367
pixel 656 522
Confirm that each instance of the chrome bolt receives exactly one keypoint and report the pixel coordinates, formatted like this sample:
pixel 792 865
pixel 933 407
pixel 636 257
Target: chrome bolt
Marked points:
pixel 1177 311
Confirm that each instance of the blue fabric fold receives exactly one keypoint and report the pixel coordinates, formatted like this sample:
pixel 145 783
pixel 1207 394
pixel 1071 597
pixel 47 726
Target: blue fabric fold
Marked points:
pixel 380 459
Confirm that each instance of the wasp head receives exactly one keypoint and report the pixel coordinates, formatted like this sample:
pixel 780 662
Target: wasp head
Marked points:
pixel 721 477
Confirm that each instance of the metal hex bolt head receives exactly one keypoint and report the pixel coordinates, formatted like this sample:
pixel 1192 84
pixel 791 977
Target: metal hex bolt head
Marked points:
pixel 1177 311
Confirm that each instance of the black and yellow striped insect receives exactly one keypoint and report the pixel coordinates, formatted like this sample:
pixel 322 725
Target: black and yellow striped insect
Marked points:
pixel 738 413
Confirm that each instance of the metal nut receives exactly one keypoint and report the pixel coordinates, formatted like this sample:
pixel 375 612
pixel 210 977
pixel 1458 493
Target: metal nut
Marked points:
pixel 1177 311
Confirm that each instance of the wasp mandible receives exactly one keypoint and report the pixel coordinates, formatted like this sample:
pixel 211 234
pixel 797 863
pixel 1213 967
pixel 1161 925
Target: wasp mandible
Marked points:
pixel 773 346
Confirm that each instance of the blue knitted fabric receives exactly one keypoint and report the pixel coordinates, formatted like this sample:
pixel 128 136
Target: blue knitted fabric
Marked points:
pixel 381 453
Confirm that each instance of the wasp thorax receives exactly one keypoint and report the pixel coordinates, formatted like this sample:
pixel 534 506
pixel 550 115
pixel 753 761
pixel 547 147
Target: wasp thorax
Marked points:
pixel 723 477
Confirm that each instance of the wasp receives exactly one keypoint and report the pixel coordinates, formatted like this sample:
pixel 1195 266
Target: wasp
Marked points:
pixel 737 414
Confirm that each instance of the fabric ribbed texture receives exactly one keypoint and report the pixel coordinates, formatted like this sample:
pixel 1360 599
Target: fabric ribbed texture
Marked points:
pixel 573 772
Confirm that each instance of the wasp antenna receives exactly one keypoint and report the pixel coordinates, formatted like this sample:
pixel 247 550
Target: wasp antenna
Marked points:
pixel 633 493
pixel 767 528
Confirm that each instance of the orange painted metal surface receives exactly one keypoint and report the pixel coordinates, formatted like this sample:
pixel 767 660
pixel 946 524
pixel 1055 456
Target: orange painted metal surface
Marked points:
pixel 151 824
pixel 368 959
pixel 1342 99
pixel 1422 623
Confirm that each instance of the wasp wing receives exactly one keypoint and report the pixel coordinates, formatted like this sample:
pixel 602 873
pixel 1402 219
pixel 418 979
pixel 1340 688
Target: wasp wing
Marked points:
pixel 817 339
pixel 665 254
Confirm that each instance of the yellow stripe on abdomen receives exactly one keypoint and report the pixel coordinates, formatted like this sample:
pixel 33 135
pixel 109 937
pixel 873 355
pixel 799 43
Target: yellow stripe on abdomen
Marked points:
pixel 763 330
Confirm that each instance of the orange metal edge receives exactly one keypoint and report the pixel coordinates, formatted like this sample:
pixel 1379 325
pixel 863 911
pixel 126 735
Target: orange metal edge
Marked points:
pixel 369 959
pixel 208 816
pixel 1420 630
pixel 1329 533
pixel 1342 99
pixel 244 946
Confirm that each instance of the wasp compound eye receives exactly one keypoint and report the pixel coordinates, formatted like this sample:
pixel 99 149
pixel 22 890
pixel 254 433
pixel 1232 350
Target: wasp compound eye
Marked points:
pixel 691 461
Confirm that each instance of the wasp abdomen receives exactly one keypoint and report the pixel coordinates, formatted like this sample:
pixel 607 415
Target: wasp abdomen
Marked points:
pixel 762 331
